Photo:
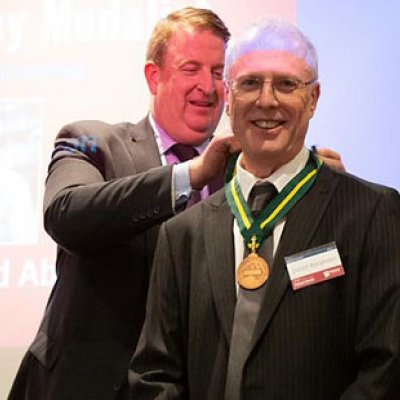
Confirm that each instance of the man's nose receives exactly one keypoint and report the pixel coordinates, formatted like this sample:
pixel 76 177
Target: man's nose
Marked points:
pixel 267 96
pixel 206 82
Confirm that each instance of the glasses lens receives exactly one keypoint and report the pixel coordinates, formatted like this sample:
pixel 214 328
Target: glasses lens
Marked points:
pixel 248 86
pixel 285 85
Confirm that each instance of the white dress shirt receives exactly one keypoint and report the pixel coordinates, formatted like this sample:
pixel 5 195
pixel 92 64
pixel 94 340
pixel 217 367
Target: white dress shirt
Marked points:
pixel 280 178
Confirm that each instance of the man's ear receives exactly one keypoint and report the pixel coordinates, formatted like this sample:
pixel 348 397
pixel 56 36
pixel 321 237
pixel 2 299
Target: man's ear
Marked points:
pixel 152 74
pixel 226 99
pixel 315 92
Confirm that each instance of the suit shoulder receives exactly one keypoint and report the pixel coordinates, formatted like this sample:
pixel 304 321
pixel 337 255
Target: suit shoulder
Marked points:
pixel 94 128
pixel 364 187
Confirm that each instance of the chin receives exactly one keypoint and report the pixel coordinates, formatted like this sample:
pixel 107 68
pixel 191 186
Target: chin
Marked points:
pixel 203 123
pixel 196 138
pixel 204 130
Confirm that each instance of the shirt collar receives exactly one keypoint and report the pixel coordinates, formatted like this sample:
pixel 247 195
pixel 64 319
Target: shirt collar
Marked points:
pixel 166 141
pixel 280 178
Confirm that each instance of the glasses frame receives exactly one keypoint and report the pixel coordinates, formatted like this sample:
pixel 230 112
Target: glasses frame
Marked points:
pixel 250 94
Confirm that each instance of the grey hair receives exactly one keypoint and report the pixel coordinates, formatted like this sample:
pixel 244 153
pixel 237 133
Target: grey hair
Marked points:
pixel 271 34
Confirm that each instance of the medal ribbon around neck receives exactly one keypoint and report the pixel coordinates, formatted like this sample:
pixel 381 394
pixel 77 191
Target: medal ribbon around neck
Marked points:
pixel 254 231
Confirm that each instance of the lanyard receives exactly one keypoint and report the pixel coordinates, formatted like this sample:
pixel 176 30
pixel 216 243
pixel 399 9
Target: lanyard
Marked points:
pixel 254 231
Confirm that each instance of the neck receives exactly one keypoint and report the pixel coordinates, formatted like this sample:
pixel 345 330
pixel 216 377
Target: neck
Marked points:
pixel 260 170
pixel 264 165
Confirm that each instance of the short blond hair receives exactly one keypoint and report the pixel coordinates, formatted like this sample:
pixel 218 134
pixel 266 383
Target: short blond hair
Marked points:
pixel 189 17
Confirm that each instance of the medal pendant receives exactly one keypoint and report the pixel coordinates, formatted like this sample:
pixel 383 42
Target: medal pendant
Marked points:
pixel 253 272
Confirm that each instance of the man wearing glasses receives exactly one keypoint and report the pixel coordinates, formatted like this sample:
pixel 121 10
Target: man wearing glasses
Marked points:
pixel 104 203
pixel 286 284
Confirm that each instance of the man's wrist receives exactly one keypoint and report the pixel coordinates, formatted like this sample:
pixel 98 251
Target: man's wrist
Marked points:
pixel 181 187
pixel 197 179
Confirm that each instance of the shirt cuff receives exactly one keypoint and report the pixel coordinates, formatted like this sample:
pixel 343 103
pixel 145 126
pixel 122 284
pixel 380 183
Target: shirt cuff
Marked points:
pixel 181 188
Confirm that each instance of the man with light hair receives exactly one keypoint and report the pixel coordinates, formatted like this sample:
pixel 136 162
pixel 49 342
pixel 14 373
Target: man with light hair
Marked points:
pixel 104 203
pixel 286 284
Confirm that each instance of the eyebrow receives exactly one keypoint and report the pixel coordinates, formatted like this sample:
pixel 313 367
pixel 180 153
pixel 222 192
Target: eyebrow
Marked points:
pixel 218 66
pixel 259 75
pixel 189 62
pixel 198 64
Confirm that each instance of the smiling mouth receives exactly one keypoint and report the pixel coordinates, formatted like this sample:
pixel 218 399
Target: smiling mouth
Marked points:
pixel 267 123
pixel 201 103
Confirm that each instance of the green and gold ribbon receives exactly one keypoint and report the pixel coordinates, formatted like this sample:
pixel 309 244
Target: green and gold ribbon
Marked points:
pixel 254 231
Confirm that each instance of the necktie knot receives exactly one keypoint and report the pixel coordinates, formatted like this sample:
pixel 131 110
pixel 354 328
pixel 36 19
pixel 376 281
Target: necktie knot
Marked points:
pixel 184 152
pixel 261 194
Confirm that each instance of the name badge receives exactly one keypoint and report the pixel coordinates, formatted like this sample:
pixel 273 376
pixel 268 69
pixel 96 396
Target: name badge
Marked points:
pixel 314 266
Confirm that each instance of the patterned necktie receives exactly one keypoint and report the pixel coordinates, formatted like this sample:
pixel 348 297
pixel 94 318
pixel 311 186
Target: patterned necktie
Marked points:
pixel 185 152
pixel 248 302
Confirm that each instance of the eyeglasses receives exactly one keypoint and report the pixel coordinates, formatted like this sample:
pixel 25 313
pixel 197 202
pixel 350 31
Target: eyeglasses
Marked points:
pixel 250 87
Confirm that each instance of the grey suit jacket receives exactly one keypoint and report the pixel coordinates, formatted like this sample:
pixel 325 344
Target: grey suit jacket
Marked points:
pixel 336 340
pixel 106 194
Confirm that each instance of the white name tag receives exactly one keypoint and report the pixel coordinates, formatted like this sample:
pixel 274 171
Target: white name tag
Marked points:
pixel 314 266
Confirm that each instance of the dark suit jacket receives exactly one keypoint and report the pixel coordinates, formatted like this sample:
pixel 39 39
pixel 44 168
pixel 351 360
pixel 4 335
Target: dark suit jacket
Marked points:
pixel 336 340
pixel 106 194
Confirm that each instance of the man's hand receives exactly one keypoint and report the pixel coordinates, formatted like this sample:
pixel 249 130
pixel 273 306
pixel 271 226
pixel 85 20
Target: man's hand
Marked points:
pixel 213 160
pixel 331 158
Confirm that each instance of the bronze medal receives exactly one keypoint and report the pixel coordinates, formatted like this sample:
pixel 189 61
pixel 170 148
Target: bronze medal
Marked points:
pixel 253 272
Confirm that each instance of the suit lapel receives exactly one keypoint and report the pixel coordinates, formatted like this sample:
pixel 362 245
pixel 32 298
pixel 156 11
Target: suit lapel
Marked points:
pixel 218 234
pixel 143 147
pixel 145 155
pixel 145 152
pixel 301 224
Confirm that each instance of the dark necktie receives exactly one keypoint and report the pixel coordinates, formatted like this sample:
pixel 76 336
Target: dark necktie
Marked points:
pixel 185 152
pixel 260 196
pixel 248 303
